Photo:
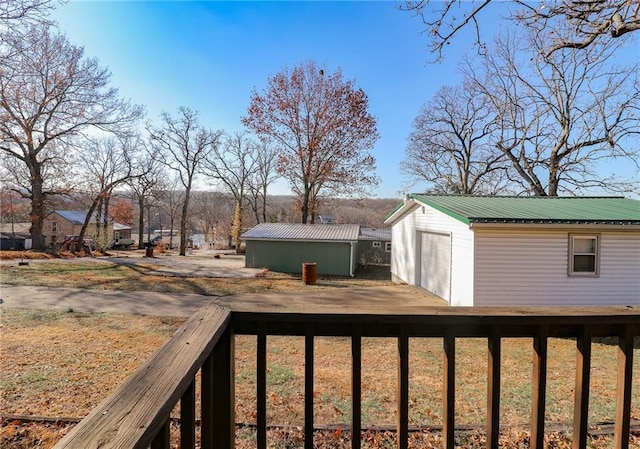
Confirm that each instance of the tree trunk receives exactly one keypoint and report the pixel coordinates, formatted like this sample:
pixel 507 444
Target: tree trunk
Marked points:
pixel 140 220
pixel 236 229
pixel 264 203
pixel 83 229
pixel 37 215
pixel 305 204
pixel 183 223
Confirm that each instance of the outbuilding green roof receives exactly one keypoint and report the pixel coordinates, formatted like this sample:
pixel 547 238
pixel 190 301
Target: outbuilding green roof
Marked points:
pixel 510 209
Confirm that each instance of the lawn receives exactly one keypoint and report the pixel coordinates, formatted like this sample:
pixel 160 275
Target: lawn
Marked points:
pixel 74 373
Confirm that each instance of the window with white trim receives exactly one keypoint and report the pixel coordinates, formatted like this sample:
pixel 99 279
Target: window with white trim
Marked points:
pixel 376 244
pixel 584 255
pixel 387 247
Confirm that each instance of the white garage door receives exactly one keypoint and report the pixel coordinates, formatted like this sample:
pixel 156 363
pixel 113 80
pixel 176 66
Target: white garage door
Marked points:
pixel 435 263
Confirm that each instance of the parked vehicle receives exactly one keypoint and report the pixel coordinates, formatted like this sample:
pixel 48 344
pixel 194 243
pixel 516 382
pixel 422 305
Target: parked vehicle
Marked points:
pixel 121 243
pixel 72 240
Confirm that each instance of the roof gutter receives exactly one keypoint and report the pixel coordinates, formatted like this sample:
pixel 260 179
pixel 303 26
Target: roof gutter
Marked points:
pixel 556 226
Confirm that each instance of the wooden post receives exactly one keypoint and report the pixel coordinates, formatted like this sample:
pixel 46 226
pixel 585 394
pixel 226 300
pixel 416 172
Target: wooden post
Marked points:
pixel 308 389
pixel 403 391
pixel 261 389
pixel 356 387
pixel 163 439
pixel 207 404
pixel 449 391
pixel 623 394
pixel 493 390
pixel 539 388
pixel 188 417
pixel 581 404
pixel 224 392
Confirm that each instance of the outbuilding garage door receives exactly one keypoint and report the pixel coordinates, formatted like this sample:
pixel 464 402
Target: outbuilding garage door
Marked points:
pixel 435 263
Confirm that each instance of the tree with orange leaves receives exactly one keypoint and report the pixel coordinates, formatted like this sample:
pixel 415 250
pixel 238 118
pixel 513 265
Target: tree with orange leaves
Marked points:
pixel 321 127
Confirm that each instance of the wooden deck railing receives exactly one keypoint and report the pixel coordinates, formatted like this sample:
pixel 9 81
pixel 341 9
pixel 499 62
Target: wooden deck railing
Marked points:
pixel 137 415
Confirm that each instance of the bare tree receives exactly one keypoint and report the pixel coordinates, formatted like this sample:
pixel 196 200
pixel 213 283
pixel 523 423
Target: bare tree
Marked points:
pixel 265 175
pixel 143 187
pixel 170 197
pixel 49 95
pixel 213 213
pixel 560 116
pixel 182 145
pixel 323 130
pixel 233 164
pixel 589 21
pixel 107 163
pixel 450 146
pixel 25 10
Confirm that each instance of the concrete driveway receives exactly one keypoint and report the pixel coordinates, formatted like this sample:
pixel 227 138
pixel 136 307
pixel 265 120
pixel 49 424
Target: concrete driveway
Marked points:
pixel 205 264
pixel 390 299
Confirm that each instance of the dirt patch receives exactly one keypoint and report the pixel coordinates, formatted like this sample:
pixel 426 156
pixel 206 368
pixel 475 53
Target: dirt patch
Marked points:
pixel 143 275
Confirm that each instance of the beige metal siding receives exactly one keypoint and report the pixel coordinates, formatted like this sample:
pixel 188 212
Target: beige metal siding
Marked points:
pixel 405 252
pixel 531 269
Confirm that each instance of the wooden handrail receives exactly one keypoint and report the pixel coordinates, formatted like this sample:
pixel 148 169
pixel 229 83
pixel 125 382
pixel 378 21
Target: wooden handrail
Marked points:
pixel 137 414
pixel 139 409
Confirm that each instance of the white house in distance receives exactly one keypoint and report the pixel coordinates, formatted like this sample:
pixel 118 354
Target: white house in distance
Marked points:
pixel 525 251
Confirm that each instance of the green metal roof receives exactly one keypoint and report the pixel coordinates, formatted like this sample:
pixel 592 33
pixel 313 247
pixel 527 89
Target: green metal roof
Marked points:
pixel 537 209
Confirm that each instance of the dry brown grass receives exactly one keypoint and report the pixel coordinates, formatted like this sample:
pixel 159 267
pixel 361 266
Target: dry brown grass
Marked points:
pixel 105 275
pixel 62 364
pixel 24 255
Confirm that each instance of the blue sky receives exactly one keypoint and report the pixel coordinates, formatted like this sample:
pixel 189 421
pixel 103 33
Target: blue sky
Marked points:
pixel 210 55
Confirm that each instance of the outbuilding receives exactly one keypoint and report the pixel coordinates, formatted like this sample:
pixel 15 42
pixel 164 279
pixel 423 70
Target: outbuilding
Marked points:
pixel 374 246
pixel 525 251
pixel 15 236
pixel 284 247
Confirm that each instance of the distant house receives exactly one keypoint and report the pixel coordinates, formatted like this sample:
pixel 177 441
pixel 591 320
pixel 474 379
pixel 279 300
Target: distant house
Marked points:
pixel 326 219
pixel 506 251
pixel 15 236
pixel 61 223
pixel 284 247
pixel 121 236
pixel 374 246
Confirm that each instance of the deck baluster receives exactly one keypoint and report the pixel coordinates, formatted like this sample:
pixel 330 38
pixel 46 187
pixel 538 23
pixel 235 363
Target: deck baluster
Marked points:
pixel 403 390
pixel 162 440
pixel 493 389
pixel 539 387
pixel 206 403
pixel 308 389
pixel 623 402
pixel 581 404
pixel 356 387
pixel 449 390
pixel 261 389
pixel 188 417
pixel 224 392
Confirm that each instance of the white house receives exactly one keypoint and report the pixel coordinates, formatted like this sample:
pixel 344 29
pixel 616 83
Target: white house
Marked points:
pixel 531 251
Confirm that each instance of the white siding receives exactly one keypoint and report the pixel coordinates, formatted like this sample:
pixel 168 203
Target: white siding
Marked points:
pixel 405 251
pixel 531 269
